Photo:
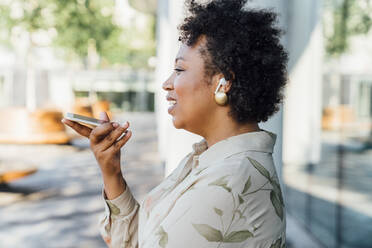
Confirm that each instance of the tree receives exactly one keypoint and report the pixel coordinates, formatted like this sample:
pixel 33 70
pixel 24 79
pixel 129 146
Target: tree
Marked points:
pixel 349 18
pixel 82 28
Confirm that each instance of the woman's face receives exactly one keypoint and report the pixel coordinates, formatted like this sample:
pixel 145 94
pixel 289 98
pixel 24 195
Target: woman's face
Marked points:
pixel 187 86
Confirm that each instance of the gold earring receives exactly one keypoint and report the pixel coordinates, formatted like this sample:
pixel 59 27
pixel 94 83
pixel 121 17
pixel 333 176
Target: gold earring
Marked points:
pixel 220 97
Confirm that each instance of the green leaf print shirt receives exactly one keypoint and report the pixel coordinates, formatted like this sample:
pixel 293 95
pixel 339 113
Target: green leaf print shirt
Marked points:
pixel 224 196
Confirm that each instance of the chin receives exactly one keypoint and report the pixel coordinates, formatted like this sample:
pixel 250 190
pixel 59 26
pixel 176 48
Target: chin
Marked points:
pixel 176 123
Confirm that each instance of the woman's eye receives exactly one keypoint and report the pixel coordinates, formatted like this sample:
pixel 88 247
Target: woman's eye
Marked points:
pixel 178 71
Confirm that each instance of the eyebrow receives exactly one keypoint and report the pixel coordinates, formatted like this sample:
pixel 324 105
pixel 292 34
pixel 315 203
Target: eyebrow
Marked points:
pixel 179 58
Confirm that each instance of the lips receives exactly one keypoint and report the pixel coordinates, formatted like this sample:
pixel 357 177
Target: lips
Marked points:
pixel 172 103
pixel 169 98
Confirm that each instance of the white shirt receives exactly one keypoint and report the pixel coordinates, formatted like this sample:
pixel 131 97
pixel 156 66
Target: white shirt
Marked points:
pixel 227 195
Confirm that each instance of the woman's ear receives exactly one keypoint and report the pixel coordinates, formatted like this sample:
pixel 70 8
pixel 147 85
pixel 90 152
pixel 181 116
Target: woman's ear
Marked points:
pixel 227 87
pixel 229 83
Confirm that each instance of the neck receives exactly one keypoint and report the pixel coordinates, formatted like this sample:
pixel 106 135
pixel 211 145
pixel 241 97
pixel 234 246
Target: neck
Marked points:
pixel 225 128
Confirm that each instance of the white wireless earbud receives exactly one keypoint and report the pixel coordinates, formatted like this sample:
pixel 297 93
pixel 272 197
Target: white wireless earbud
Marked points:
pixel 221 83
pixel 221 97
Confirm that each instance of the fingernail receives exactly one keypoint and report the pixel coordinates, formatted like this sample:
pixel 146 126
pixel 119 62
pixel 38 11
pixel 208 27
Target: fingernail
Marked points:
pixel 115 125
pixel 126 124
pixel 63 120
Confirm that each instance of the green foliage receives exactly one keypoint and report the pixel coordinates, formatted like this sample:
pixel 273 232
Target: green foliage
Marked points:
pixel 83 27
pixel 81 23
pixel 349 18
pixel 26 15
pixel 131 46
pixel 29 15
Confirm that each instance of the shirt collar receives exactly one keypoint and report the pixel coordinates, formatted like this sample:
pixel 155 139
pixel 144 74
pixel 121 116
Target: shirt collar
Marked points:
pixel 260 141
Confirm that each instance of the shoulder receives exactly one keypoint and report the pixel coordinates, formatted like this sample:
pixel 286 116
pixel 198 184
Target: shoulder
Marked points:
pixel 237 169
pixel 241 163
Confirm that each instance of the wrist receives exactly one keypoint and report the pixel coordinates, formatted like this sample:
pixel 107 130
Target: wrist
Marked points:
pixel 114 185
pixel 112 176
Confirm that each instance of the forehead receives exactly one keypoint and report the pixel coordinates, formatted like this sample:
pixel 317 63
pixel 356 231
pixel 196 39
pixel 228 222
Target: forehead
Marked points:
pixel 190 53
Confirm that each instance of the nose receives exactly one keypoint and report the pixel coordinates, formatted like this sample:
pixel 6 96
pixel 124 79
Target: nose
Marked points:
pixel 168 84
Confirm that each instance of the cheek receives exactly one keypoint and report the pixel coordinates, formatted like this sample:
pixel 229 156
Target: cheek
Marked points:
pixel 182 87
pixel 192 97
pixel 186 88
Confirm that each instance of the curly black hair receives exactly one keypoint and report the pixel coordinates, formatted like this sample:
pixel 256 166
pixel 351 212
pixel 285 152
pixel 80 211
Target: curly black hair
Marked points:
pixel 244 45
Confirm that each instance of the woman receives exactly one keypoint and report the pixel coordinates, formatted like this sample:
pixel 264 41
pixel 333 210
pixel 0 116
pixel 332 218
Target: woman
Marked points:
pixel 229 74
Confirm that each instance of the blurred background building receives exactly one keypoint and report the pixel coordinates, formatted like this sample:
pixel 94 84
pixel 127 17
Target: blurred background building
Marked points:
pixel 87 56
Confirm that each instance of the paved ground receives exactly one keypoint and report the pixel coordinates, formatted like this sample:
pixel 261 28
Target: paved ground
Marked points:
pixel 59 206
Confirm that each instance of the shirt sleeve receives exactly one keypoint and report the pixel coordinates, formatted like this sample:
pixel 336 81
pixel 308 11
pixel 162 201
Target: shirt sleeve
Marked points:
pixel 119 223
pixel 225 209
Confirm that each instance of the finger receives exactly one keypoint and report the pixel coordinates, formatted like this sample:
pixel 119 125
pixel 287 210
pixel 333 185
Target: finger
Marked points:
pixel 120 143
pixel 103 116
pixel 113 137
pixel 80 129
pixel 101 131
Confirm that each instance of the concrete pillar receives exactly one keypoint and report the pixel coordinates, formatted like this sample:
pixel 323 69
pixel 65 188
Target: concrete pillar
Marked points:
pixel 42 88
pixel 302 108
pixel 5 87
pixel 174 144
pixel 61 89
pixel 18 97
pixel 275 123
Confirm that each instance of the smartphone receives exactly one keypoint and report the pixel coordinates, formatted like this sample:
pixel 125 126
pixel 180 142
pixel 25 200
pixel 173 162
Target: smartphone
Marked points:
pixel 84 119
pixel 89 121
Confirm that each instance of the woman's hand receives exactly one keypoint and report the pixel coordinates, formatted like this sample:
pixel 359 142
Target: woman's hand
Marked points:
pixel 104 143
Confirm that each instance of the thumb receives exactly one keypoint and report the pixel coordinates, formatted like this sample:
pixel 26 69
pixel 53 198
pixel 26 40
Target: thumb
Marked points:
pixel 103 116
